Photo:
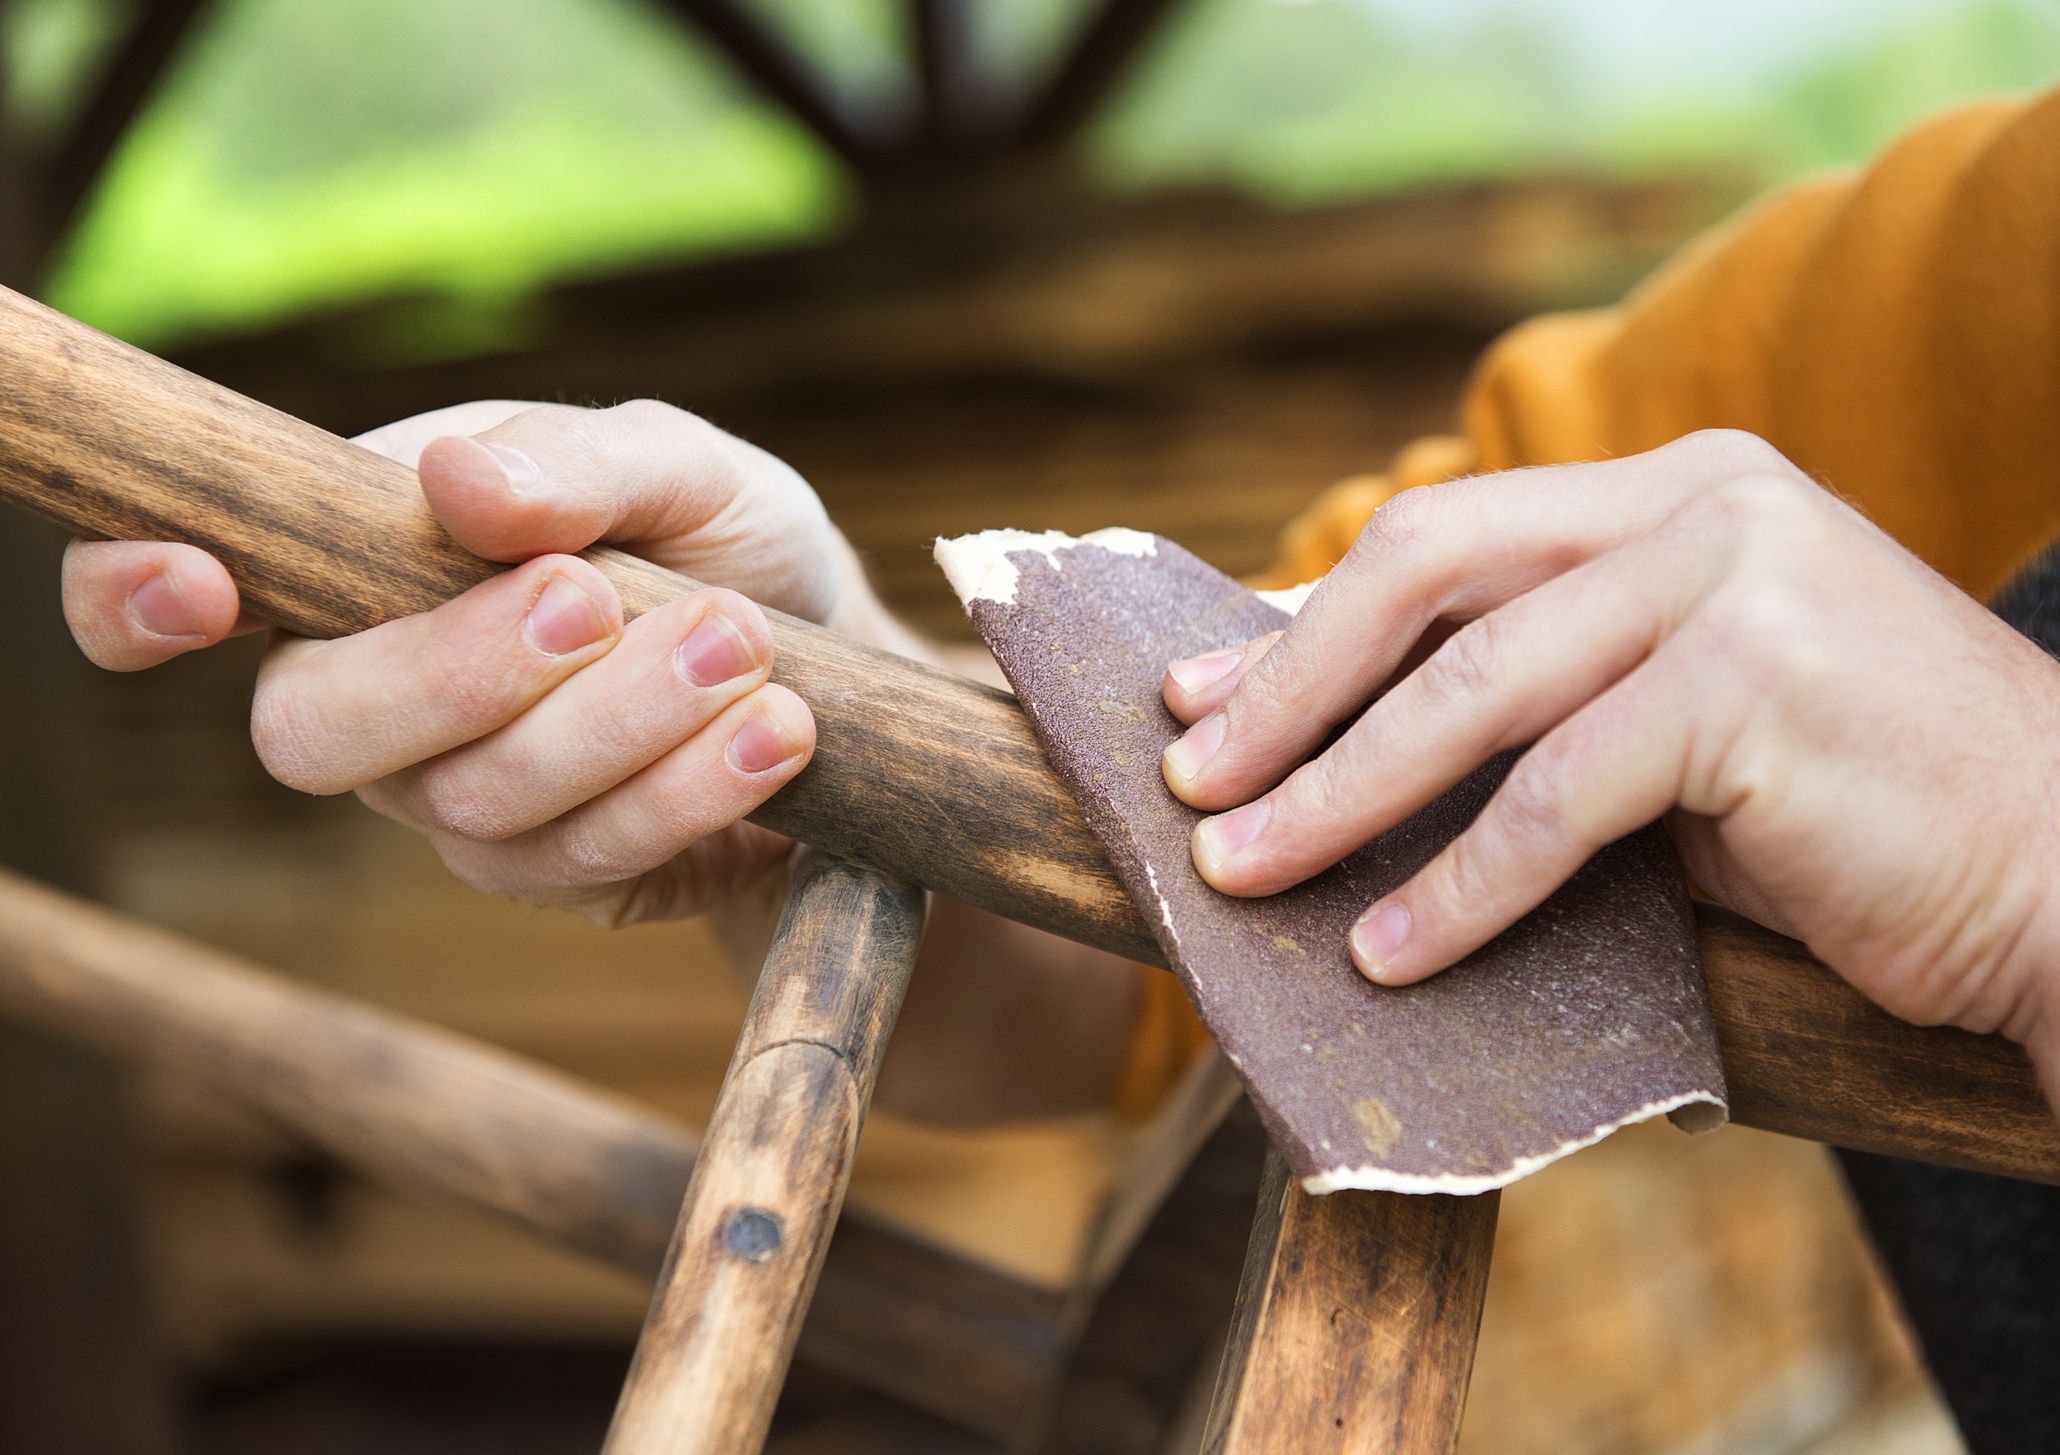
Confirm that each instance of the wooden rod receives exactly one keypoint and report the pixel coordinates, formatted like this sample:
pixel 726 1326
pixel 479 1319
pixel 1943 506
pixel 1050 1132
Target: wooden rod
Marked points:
pixel 411 1106
pixel 1355 1323
pixel 757 1218
pixel 924 776
pixel 1807 1055
pixel 424 1111
pixel 919 773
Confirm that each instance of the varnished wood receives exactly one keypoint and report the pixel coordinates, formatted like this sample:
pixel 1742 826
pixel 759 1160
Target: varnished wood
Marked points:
pixel 758 1215
pixel 939 781
pixel 929 778
pixel 1808 1055
pixel 424 1111
pixel 413 1107
pixel 1355 1325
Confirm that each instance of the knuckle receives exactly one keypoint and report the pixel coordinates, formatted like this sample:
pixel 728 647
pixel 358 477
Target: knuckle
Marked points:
pixel 478 697
pixel 1529 808
pixel 448 799
pixel 1465 668
pixel 1767 628
pixel 581 859
pixel 1399 522
pixel 649 414
pixel 1318 793
pixel 1738 450
pixel 1468 877
pixel 712 449
pixel 1755 511
pixel 284 743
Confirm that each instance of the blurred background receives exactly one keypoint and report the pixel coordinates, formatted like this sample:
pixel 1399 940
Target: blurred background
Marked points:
pixel 1173 264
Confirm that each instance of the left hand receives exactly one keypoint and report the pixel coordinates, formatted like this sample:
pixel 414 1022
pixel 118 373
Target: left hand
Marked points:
pixel 1844 746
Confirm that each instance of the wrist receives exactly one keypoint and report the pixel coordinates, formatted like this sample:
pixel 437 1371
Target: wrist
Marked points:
pixel 861 615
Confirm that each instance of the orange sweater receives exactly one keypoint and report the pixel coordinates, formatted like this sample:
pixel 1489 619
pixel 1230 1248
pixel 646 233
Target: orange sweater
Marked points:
pixel 1895 332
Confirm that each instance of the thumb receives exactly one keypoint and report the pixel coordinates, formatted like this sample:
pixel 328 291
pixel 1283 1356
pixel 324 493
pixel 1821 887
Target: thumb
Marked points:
pixel 134 604
pixel 642 475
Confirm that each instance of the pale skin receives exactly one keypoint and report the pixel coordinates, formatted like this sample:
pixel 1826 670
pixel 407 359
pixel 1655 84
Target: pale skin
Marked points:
pixel 552 753
pixel 1843 745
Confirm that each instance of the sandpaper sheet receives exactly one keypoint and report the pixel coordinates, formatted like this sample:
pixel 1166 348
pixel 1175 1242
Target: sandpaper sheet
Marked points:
pixel 1587 1016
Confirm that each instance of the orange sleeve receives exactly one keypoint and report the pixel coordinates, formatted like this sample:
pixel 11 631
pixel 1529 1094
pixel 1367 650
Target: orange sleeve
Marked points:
pixel 1895 332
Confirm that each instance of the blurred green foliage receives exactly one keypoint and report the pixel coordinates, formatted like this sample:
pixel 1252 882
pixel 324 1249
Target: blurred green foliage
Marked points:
pixel 307 153
pixel 1306 102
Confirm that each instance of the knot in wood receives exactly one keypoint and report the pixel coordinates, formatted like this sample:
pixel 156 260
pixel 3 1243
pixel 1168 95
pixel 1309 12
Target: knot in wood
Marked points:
pixel 752 1233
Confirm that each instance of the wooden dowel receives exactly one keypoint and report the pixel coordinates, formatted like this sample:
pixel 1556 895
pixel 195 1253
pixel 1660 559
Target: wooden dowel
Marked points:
pixel 1809 1056
pixel 924 776
pixel 421 1110
pixel 936 780
pixel 1355 1323
pixel 413 1107
pixel 758 1215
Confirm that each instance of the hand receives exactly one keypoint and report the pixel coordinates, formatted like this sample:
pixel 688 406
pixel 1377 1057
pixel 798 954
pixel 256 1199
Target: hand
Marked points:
pixel 548 750
pixel 1843 745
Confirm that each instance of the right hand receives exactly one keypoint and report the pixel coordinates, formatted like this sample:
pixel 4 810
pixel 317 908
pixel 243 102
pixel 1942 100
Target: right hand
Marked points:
pixel 549 751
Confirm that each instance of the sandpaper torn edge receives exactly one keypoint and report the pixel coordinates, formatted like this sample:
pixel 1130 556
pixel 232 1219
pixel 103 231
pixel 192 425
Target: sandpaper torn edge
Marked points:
pixel 1083 628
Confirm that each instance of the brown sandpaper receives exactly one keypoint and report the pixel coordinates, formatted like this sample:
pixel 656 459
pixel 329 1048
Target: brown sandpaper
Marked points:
pixel 1588 1015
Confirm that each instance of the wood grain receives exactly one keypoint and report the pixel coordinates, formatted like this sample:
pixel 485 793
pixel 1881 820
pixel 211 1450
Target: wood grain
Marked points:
pixel 1808 1055
pixel 424 1111
pixel 938 780
pixel 1355 1324
pixel 929 778
pixel 756 1221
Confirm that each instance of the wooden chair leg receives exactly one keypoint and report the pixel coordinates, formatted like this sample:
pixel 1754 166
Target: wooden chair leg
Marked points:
pixel 1355 1322
pixel 774 1164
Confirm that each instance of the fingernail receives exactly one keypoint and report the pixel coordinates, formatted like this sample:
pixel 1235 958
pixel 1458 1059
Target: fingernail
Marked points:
pixel 1381 931
pixel 160 609
pixel 761 743
pixel 714 651
pixel 523 475
pixel 1188 753
pixel 1223 835
pixel 1195 673
pixel 563 619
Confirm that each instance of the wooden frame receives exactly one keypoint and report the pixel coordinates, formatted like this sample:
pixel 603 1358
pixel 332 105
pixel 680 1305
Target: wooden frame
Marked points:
pixel 1355 1320
pixel 755 1225
pixel 926 777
